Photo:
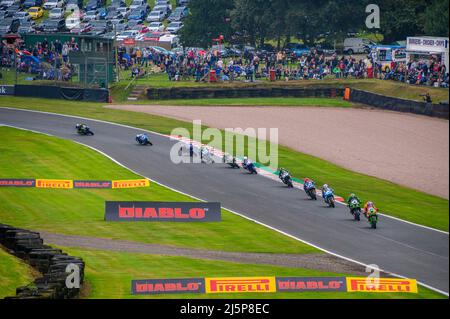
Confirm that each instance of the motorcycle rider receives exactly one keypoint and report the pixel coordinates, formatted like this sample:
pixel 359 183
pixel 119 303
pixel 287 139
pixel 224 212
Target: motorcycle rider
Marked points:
pixel 143 139
pixel 326 188
pixel 82 127
pixel 308 184
pixel 284 173
pixel 370 207
pixel 353 197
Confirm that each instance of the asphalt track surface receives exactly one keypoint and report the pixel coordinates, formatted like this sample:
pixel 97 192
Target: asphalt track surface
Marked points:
pixel 397 247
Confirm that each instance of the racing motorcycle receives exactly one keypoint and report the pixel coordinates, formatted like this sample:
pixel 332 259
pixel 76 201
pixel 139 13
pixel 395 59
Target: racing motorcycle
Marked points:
pixel 310 190
pixel 251 168
pixel 84 130
pixel 373 219
pixel 287 180
pixel 231 162
pixel 329 198
pixel 355 209
pixel 143 140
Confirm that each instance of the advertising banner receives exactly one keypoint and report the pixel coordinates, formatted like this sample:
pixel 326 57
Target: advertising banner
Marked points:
pixel 168 286
pixel 92 184
pixel 163 211
pixel 240 285
pixel 54 183
pixel 381 285
pixel 304 284
pixel 131 183
pixel 14 182
pixel 7 89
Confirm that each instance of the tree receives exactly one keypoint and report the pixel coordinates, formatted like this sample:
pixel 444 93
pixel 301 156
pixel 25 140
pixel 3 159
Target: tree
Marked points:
pixel 207 20
pixel 436 19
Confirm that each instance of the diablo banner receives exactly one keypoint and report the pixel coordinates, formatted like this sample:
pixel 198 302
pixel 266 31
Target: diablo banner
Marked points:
pixel 304 284
pixel 92 184
pixel 14 182
pixel 54 183
pixel 381 285
pixel 168 286
pixel 131 183
pixel 163 211
pixel 240 285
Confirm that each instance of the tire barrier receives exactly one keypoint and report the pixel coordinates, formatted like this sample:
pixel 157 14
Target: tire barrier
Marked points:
pixel 205 93
pixel 65 93
pixel 400 105
pixel 50 262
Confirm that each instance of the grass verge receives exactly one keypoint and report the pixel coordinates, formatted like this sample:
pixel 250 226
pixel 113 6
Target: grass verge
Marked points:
pixel 392 199
pixel 109 275
pixel 81 212
pixel 13 273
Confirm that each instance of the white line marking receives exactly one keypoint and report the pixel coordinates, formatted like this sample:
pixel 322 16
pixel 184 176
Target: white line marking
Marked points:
pixel 239 214
pixel 163 135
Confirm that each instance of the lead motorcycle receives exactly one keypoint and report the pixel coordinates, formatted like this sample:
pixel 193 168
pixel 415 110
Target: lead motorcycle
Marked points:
pixel 84 130
pixel 355 209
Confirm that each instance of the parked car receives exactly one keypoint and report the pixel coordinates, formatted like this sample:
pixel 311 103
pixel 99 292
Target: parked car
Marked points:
pixel 7 3
pixel 71 3
pixel 324 49
pixel 155 16
pixel 94 4
pixel 297 49
pixel 9 25
pixel 54 25
pixel 102 13
pixel 164 3
pixel 72 22
pixel 100 27
pixel 26 27
pixel 179 14
pixel 12 9
pixel 22 15
pixel 124 11
pixel 128 34
pixel 164 8
pixel 90 15
pixel 137 3
pixel 138 15
pixel 56 13
pixel 35 12
pixel 50 4
pixel 81 28
pixel 32 3
pixel 175 27
pixel 156 26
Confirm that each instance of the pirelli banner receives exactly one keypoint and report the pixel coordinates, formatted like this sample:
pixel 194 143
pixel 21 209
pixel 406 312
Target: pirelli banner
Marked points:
pixel 163 211
pixel 227 285
pixel 70 184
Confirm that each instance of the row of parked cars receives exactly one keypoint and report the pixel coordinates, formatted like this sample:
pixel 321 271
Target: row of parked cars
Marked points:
pixel 92 17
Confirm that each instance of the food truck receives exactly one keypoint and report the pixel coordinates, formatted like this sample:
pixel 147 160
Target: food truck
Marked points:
pixel 427 48
pixel 386 54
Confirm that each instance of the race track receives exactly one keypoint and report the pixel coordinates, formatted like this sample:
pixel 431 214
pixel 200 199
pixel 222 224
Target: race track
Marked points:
pixel 398 247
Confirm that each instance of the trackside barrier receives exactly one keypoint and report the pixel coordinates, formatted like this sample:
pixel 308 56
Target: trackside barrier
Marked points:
pixel 272 285
pixel 71 184
pixel 55 265
pixel 400 105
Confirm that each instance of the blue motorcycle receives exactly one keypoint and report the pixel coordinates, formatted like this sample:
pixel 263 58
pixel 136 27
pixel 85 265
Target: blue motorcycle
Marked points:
pixel 328 196
pixel 143 139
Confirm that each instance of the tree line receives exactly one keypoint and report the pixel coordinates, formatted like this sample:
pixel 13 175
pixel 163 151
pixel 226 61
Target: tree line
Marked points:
pixel 256 21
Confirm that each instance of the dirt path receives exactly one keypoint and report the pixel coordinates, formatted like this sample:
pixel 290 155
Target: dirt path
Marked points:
pixel 406 149
pixel 321 262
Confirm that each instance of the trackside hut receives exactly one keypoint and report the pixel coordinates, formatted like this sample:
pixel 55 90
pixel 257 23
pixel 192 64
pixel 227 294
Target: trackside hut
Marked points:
pixel 427 47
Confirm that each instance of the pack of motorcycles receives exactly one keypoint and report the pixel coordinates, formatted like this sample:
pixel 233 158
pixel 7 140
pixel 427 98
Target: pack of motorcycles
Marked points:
pixel 285 177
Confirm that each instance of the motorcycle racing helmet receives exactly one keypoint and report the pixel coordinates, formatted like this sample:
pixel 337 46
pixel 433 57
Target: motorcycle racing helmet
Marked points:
pixel 325 185
pixel 352 195
pixel 369 204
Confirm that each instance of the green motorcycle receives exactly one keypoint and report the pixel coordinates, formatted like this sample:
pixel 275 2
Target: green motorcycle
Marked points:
pixel 373 219
pixel 355 209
